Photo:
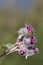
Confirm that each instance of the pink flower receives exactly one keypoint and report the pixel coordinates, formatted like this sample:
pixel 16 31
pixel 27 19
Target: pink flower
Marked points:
pixel 30 28
pixel 22 52
pixel 33 40
pixel 36 50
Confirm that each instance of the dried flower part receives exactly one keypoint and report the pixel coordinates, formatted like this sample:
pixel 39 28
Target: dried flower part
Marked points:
pixel 29 33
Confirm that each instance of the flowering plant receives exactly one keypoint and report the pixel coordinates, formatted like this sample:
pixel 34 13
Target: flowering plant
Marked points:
pixel 25 43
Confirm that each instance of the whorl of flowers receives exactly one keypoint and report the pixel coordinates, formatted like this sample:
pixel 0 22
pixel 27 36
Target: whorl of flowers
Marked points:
pixel 25 42
pixel 28 41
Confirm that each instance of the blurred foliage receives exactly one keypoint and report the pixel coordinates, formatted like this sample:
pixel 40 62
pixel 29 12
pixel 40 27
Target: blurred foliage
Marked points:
pixel 11 21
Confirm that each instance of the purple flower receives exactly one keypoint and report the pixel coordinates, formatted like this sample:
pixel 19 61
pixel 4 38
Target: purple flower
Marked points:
pixel 33 40
pixel 36 50
pixel 22 52
pixel 30 28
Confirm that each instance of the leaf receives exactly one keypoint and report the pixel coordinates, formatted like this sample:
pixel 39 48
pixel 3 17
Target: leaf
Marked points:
pixel 8 45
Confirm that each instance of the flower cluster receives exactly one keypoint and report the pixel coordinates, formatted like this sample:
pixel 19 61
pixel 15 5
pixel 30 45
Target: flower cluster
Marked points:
pixel 28 39
pixel 25 42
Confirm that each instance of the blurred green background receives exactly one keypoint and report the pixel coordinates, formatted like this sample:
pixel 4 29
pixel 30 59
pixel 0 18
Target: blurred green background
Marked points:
pixel 11 19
